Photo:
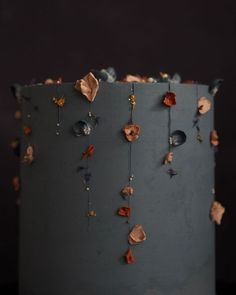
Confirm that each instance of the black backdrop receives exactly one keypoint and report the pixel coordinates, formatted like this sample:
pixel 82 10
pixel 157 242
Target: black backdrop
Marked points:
pixel 68 38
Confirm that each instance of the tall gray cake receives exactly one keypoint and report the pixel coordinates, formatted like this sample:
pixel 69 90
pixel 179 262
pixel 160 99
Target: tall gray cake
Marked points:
pixel 60 254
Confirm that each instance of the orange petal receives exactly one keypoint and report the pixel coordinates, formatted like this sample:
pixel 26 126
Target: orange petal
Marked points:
pixel 88 86
pixel 88 152
pixel 204 105
pixel 127 191
pixel 217 211
pixel 214 138
pixel 124 211
pixel 131 131
pixel 169 99
pixel 129 257
pixel 137 235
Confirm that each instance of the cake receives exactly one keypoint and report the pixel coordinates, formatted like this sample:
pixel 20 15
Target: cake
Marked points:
pixel 117 187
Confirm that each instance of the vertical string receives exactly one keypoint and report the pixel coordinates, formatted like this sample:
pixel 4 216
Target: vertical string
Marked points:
pixel 88 184
pixel 169 123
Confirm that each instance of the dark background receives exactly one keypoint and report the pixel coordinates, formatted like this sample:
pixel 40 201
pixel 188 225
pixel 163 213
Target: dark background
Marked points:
pixel 68 38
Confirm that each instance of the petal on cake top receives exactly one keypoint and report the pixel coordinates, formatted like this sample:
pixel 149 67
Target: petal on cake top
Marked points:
pixel 204 105
pixel 214 138
pixel 131 131
pixel 129 257
pixel 88 86
pixel 88 152
pixel 135 78
pixel 217 211
pixel 137 235
pixel 169 99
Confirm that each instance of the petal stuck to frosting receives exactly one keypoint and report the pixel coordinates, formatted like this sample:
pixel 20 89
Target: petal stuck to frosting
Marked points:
pixel 214 138
pixel 137 235
pixel 169 99
pixel 204 105
pixel 131 131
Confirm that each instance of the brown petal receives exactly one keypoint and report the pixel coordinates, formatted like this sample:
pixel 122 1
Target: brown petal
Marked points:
pixel 16 183
pixel 129 257
pixel 204 105
pixel 124 211
pixel 131 131
pixel 135 78
pixel 127 191
pixel 214 138
pixel 137 235
pixel 88 152
pixel 168 158
pixel 27 130
pixel 217 211
pixel 88 86
pixel 169 99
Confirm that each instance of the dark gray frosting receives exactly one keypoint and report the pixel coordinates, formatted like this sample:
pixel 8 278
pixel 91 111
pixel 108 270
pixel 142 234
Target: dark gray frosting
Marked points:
pixel 58 255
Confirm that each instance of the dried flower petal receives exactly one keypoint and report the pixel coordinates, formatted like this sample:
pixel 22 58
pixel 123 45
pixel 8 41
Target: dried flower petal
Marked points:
pixel 137 235
pixel 88 86
pixel 127 191
pixel 215 85
pixel 59 101
pixel 88 152
pixel 129 257
pixel 124 211
pixel 131 131
pixel 168 158
pixel 92 213
pixel 169 99
pixel 172 172
pixel 217 211
pixel 16 183
pixel 29 155
pixel 135 78
pixel 27 130
pixel 204 105
pixel 214 138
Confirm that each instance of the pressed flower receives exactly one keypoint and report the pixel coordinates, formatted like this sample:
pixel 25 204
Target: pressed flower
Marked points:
pixel 217 211
pixel 214 138
pixel 127 191
pixel 92 213
pixel 88 86
pixel 169 99
pixel 88 152
pixel 129 257
pixel 137 235
pixel 124 211
pixel 204 105
pixel 131 131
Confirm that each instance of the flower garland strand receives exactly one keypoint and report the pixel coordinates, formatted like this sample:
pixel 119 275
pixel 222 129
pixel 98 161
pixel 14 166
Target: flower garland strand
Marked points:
pixel 136 234
pixel 59 101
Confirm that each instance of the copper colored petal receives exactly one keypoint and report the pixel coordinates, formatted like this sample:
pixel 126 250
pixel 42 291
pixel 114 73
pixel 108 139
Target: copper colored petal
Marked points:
pixel 129 257
pixel 88 152
pixel 16 183
pixel 214 138
pixel 131 131
pixel 59 101
pixel 27 130
pixel 88 86
pixel 124 211
pixel 217 211
pixel 127 191
pixel 135 78
pixel 168 158
pixel 29 155
pixel 137 235
pixel 169 99
pixel 204 105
